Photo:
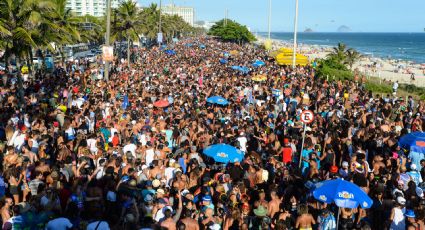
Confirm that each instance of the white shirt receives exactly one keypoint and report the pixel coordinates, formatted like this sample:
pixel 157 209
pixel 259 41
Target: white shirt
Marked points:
pixel 59 224
pixel 130 148
pixel 169 174
pixel 91 143
pixel 102 226
pixel 19 141
pixel 242 143
pixel 150 154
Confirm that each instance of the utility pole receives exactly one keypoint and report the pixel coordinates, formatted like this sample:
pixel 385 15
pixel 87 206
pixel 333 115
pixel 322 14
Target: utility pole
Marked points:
pixel 108 35
pixel 160 21
pixel 294 55
pixel 270 17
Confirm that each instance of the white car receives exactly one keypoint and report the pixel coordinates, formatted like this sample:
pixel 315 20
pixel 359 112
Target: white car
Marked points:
pixel 91 58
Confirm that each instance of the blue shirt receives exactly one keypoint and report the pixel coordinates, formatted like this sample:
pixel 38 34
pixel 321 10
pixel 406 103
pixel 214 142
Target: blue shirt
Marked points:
pixel 416 158
pixel 306 154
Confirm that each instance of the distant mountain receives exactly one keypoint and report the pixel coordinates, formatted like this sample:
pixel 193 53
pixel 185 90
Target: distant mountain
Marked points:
pixel 344 29
pixel 308 30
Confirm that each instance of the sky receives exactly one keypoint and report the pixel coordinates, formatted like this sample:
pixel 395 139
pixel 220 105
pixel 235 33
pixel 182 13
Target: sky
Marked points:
pixel 319 15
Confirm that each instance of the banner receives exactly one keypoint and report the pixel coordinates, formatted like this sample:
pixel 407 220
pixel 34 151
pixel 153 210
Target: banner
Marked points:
pixel 107 53
pixel 159 38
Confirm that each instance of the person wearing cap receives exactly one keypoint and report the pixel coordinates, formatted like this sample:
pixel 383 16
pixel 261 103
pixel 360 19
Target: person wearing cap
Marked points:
pixel 169 221
pixel 415 175
pixel 411 220
pixel 397 217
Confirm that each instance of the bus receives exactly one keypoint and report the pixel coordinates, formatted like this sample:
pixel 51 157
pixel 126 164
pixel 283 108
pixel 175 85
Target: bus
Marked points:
pixel 71 50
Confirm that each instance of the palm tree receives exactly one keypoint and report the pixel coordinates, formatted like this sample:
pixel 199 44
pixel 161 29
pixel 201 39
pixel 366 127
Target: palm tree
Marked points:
pixel 68 25
pixel 338 52
pixel 128 24
pixel 150 16
pixel 351 57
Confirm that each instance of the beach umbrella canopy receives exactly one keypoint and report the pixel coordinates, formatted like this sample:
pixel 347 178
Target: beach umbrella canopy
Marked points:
pixel 258 63
pixel 224 153
pixel 202 46
pixel 223 61
pixel 261 77
pixel 242 69
pixel 414 141
pixel 234 52
pixel 170 52
pixel 344 193
pixel 284 59
pixel 217 100
pixel 161 103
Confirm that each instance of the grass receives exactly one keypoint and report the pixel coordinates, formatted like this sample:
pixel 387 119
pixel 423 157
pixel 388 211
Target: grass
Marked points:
pixel 374 84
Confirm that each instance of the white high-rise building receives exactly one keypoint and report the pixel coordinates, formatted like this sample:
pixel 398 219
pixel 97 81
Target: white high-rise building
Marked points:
pixel 95 8
pixel 187 13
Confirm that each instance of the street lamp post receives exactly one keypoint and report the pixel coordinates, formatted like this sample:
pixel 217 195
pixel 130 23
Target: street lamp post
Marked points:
pixel 294 55
pixel 160 22
pixel 270 17
pixel 108 35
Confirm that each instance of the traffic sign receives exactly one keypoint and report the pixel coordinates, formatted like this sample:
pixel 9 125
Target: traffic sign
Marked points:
pixel 307 116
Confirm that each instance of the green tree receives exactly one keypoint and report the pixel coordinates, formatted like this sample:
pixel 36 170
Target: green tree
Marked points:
pixel 351 57
pixel 231 31
pixel 127 24
pixel 150 26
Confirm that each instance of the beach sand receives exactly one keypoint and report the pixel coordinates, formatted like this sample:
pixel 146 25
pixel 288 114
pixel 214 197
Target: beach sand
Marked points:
pixel 386 69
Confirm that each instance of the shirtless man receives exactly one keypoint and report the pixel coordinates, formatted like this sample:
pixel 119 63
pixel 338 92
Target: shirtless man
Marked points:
pixel 190 223
pixel 273 204
pixel 5 210
pixel 157 170
pixel 170 222
pixel 11 158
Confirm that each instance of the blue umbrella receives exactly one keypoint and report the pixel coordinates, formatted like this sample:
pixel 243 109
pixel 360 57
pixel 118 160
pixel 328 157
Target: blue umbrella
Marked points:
pixel 242 69
pixel 413 141
pixel 223 61
pixel 202 46
pixel 170 52
pixel 258 63
pixel 224 153
pixel 217 100
pixel 344 193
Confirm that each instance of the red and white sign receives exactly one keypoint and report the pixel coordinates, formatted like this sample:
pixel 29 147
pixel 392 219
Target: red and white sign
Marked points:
pixel 307 116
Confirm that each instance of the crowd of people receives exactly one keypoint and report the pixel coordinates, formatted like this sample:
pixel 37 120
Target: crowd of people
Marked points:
pixel 80 152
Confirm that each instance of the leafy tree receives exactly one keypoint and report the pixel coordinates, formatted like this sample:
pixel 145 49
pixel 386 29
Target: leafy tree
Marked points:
pixel 127 24
pixel 231 31
pixel 351 57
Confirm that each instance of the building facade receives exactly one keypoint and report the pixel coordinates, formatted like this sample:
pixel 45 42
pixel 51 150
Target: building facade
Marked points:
pixel 95 8
pixel 187 13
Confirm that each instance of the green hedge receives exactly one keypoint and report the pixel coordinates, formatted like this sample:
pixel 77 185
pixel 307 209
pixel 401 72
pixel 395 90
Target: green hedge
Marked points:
pixel 379 88
pixel 413 89
pixel 325 71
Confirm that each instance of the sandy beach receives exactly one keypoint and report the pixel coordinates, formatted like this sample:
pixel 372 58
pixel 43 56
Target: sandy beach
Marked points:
pixel 386 69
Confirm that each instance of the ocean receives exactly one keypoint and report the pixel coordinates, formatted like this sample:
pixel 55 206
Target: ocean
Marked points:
pixel 404 46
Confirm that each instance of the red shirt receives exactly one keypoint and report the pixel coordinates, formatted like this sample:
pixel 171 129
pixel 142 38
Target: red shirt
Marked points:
pixel 287 154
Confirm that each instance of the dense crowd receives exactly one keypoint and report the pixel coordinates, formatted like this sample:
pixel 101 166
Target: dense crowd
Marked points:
pixel 80 152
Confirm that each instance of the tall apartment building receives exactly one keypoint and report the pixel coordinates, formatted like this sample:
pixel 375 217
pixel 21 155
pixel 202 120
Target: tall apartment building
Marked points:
pixel 187 13
pixel 95 8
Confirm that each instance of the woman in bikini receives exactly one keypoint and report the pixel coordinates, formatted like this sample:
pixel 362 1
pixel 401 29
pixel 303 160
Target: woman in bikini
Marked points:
pixel 305 221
